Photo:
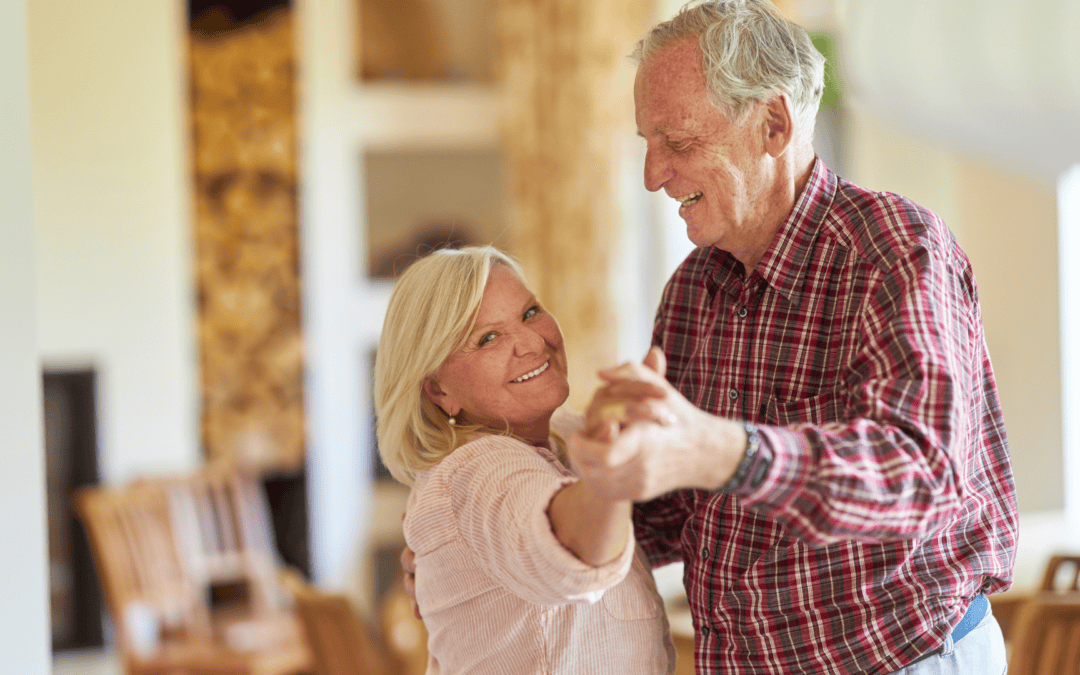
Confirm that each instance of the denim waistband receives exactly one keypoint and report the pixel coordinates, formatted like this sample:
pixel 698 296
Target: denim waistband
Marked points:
pixel 972 616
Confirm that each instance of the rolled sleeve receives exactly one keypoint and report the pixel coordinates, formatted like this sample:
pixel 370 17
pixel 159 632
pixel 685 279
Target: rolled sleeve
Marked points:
pixel 501 490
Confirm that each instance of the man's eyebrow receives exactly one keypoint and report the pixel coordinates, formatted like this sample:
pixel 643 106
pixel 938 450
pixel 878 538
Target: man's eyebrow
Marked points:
pixel 663 131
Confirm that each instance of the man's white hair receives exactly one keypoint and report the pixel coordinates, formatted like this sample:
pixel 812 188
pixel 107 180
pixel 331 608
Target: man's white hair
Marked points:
pixel 749 53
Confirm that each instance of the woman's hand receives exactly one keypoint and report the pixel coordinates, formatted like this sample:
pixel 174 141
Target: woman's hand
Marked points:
pixel 408 578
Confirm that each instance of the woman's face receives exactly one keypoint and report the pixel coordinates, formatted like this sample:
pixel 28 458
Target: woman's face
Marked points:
pixel 512 367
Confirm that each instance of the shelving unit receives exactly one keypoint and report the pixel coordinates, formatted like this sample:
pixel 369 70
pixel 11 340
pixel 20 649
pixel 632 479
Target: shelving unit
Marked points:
pixel 356 516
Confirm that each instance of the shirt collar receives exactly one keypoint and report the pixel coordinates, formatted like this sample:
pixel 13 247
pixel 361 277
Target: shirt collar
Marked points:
pixel 784 264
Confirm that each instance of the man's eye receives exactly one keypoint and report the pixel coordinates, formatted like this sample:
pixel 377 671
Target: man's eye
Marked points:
pixel 679 146
pixel 487 337
pixel 532 311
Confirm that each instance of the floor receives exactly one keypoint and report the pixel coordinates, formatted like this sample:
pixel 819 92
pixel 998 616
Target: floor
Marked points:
pixel 92 662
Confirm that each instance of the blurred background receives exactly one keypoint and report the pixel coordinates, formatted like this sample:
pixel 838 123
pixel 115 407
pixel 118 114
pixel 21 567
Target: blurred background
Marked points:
pixel 206 205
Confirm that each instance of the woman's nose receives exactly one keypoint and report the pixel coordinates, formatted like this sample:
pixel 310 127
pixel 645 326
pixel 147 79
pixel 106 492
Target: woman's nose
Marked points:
pixel 529 342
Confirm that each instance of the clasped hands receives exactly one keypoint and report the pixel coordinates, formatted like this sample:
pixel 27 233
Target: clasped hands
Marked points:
pixel 642 438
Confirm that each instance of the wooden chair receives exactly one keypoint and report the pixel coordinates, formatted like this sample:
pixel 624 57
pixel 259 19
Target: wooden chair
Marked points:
pixel 1047 640
pixel 1062 574
pixel 161 615
pixel 340 642
pixel 222 526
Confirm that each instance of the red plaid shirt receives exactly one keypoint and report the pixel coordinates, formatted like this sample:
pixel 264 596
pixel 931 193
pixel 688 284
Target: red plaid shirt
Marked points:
pixel 857 346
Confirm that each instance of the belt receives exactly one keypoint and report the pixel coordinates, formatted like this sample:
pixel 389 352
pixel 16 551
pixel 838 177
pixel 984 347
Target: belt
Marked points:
pixel 972 616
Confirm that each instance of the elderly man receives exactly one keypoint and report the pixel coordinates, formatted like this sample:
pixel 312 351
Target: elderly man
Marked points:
pixel 835 473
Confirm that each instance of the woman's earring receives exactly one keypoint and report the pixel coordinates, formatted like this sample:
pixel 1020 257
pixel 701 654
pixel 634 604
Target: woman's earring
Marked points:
pixel 452 421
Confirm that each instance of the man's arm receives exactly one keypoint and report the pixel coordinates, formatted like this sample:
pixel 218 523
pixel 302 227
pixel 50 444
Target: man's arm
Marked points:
pixel 893 464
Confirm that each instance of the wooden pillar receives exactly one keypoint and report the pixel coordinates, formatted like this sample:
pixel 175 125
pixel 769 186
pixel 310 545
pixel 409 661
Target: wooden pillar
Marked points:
pixel 247 258
pixel 568 102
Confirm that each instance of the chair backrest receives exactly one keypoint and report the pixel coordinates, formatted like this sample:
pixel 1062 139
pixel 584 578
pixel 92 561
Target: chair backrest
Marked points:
pixel 1047 640
pixel 222 525
pixel 145 587
pixel 1062 573
pixel 406 635
pixel 340 643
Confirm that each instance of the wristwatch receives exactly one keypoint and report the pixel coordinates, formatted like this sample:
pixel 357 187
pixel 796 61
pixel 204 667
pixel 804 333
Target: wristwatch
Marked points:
pixel 749 458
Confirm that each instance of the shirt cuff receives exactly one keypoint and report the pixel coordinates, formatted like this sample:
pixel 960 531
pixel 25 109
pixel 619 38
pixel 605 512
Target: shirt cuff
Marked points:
pixel 559 568
pixel 777 473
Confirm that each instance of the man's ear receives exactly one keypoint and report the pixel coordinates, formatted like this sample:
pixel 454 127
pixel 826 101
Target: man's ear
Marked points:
pixel 779 125
pixel 435 393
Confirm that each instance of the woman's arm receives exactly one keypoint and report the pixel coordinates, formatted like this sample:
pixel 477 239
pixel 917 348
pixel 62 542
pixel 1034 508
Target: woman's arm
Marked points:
pixel 590 526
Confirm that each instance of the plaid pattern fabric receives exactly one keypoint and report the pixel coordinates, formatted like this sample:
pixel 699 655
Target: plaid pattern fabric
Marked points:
pixel 857 346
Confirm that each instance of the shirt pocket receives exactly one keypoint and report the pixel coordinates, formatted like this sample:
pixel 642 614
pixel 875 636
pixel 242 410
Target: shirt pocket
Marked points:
pixel 829 406
pixel 635 597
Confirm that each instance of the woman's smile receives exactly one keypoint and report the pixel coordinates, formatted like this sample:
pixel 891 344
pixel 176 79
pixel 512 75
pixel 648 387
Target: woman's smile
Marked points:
pixel 511 371
pixel 532 374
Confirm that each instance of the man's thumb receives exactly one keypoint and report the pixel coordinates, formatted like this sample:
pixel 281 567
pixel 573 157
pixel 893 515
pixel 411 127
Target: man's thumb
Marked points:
pixel 655 360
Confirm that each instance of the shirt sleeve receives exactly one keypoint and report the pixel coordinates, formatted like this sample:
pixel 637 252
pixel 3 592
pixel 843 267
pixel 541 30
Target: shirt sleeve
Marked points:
pixel 500 492
pixel 914 412
pixel 658 527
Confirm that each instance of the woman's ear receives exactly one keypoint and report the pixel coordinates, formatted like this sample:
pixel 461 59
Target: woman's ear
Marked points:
pixel 436 394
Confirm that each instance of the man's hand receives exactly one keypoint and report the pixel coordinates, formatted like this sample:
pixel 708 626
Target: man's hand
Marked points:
pixel 408 569
pixel 642 438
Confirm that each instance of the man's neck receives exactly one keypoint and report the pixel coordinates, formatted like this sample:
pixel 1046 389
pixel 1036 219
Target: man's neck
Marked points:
pixel 793 175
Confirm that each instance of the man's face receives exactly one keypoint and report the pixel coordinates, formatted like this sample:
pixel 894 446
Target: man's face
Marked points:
pixel 713 167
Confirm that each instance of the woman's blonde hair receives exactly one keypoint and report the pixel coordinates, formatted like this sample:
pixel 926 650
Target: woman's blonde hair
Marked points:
pixel 433 307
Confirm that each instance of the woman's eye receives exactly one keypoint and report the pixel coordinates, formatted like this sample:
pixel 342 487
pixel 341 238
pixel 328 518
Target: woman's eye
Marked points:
pixel 532 311
pixel 486 338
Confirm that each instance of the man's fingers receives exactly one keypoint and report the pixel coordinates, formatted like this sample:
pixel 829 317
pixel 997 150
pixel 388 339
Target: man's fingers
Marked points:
pixel 408 580
pixel 408 561
pixel 590 451
pixel 634 389
pixel 628 371
pixel 626 413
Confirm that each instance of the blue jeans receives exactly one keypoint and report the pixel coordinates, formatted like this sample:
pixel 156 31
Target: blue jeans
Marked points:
pixel 981 652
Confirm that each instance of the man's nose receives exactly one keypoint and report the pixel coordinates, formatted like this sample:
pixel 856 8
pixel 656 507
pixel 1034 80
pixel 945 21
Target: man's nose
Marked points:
pixel 657 169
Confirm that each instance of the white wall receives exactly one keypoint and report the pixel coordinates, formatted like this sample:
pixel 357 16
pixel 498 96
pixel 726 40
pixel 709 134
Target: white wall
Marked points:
pixel 971 112
pixel 111 185
pixel 343 308
pixel 24 627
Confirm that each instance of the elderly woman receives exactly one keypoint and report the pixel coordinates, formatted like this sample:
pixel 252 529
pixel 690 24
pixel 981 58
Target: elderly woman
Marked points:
pixel 520 567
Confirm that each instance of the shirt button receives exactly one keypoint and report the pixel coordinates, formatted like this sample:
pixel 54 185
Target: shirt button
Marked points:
pixel 742 312
pixel 704 553
pixel 704 631
pixel 732 394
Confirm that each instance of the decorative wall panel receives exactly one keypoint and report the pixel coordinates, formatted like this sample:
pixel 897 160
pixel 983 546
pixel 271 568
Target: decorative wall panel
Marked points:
pixel 565 112
pixel 244 135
